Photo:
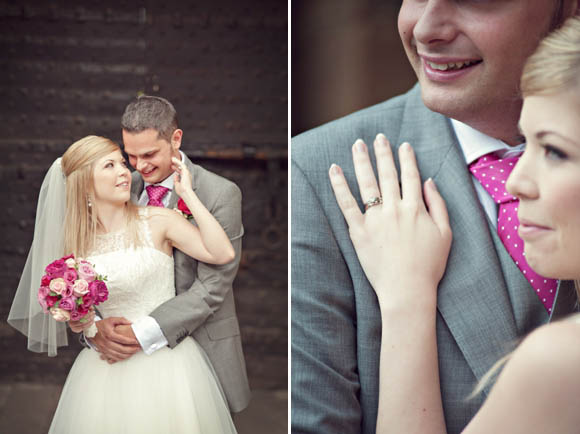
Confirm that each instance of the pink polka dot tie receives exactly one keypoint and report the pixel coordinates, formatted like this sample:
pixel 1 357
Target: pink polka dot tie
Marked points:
pixel 156 194
pixel 492 173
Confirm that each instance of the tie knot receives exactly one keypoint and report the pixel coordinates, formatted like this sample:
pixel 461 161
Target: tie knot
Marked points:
pixel 492 173
pixel 156 194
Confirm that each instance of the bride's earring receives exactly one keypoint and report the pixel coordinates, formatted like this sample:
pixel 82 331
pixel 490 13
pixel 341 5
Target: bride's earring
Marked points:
pixel 89 204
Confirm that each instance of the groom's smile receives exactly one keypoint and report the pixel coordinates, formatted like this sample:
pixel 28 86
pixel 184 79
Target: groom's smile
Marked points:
pixel 150 154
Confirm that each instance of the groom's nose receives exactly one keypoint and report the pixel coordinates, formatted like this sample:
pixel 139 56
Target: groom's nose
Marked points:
pixel 140 165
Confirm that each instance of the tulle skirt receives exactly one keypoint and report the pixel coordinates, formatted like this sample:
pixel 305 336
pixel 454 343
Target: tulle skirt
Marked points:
pixel 171 391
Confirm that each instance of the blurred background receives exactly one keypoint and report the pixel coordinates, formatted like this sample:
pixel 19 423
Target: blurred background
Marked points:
pixel 346 55
pixel 67 70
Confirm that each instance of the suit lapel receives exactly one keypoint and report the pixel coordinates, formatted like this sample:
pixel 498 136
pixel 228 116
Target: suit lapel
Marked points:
pixel 473 298
pixel 136 186
pixel 566 301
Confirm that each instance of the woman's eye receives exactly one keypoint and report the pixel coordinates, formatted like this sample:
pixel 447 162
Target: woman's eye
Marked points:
pixel 554 153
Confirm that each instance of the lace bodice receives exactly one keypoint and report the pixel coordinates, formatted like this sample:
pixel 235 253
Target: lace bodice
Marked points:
pixel 139 278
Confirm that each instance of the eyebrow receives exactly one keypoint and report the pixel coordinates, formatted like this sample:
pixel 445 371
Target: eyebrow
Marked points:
pixel 142 153
pixel 543 133
pixel 113 160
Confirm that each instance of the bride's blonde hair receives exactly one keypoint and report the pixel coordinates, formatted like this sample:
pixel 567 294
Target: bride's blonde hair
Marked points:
pixel 81 222
pixel 553 68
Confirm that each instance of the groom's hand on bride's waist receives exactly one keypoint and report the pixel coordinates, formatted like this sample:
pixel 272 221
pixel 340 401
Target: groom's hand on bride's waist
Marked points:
pixel 115 339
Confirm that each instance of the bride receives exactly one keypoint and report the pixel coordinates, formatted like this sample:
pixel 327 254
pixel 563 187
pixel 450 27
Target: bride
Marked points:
pixel 170 391
pixel 536 390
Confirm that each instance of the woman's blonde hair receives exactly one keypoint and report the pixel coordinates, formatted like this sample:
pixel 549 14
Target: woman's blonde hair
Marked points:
pixel 555 65
pixel 553 68
pixel 81 222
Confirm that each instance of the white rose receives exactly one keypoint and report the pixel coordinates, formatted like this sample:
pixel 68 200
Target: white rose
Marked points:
pixel 70 263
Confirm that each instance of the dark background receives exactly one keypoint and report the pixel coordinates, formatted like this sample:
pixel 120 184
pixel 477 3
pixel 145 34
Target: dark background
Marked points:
pixel 346 55
pixel 69 68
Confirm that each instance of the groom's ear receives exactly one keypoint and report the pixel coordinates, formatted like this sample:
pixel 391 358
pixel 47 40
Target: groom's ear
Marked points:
pixel 176 139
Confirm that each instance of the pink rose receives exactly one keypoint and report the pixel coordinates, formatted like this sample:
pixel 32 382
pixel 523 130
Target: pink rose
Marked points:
pixel 98 291
pixel 51 300
pixel 68 292
pixel 86 271
pixel 88 301
pixel 67 303
pixel 80 287
pixel 58 285
pixel 76 315
pixel 82 309
pixel 70 275
pixel 59 314
pixel 43 292
pixel 45 281
pixel 56 269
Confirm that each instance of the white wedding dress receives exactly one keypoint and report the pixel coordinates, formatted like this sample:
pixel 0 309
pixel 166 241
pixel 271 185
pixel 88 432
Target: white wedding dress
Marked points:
pixel 171 391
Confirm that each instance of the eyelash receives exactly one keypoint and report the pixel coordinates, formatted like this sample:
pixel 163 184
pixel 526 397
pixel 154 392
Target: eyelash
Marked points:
pixel 123 163
pixel 554 153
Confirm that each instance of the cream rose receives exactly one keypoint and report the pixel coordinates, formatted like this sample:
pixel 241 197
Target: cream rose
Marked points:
pixel 80 287
pixel 57 285
pixel 59 314
pixel 70 263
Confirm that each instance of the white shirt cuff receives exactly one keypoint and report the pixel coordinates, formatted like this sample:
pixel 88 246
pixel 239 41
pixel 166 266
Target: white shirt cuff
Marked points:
pixel 90 333
pixel 149 334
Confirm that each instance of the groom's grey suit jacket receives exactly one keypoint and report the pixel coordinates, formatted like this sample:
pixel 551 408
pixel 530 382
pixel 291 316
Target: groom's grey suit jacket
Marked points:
pixel 484 302
pixel 204 306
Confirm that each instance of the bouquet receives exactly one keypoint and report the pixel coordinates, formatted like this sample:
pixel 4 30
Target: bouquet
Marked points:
pixel 70 288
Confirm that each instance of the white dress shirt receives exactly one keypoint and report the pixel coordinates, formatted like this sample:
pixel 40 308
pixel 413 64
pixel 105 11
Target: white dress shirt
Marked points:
pixel 475 144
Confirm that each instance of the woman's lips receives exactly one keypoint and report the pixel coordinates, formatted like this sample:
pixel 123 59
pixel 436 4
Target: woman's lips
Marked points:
pixel 529 231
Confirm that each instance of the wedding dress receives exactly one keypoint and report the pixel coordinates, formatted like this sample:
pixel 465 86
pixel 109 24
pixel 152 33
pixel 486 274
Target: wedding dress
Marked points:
pixel 170 391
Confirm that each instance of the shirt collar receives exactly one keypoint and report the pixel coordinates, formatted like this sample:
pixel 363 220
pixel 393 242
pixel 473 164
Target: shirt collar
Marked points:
pixel 475 144
pixel 167 182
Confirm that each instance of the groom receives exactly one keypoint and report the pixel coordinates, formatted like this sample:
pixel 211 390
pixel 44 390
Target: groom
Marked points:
pixel 204 305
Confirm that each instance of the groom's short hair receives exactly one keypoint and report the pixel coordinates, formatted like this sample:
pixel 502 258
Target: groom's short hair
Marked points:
pixel 150 112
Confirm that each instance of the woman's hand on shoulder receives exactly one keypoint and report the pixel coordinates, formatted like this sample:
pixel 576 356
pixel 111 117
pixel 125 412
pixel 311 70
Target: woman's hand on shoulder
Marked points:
pixel 401 244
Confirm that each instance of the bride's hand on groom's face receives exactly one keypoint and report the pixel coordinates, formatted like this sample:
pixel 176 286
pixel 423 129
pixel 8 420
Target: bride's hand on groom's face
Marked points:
pixel 181 177
pixel 115 339
pixel 402 246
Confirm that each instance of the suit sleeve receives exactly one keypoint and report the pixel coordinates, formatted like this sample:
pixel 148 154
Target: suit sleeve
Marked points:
pixel 325 383
pixel 183 314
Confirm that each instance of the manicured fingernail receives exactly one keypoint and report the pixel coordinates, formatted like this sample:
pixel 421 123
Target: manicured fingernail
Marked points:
pixel 334 169
pixel 431 184
pixel 360 146
pixel 381 139
pixel 405 145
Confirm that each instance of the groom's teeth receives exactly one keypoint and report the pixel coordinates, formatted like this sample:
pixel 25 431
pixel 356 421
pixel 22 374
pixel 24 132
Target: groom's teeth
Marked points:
pixel 450 65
